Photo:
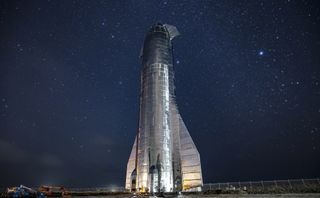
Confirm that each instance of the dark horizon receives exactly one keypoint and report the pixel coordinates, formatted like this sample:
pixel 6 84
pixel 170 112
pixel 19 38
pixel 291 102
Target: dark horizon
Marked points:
pixel 247 83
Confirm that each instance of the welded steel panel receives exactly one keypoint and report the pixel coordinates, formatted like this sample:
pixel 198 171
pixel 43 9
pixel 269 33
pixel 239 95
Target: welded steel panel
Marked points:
pixel 159 163
pixel 190 160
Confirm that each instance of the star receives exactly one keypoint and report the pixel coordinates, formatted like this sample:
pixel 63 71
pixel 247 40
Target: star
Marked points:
pixel 261 53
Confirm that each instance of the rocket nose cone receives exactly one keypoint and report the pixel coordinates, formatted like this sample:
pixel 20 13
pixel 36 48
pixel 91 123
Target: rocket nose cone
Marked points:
pixel 158 27
pixel 165 28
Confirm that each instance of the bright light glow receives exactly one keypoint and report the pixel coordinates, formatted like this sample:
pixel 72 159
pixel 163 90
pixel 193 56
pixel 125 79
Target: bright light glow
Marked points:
pixel 261 53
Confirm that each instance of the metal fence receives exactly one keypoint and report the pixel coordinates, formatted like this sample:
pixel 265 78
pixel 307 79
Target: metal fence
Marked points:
pixel 251 185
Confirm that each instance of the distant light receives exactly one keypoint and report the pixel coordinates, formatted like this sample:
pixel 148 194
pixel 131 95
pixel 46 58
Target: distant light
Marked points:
pixel 261 53
pixel 113 188
pixel 177 62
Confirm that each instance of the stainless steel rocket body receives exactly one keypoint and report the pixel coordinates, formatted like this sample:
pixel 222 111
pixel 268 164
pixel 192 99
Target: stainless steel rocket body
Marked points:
pixel 155 146
pixel 155 163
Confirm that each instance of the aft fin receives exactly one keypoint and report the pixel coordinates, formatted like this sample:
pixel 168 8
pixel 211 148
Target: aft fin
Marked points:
pixel 131 166
pixel 190 160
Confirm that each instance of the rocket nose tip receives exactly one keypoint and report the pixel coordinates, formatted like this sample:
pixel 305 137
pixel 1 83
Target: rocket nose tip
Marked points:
pixel 158 27
pixel 158 23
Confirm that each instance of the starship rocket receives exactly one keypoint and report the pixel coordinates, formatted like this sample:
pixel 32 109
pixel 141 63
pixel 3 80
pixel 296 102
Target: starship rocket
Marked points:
pixel 163 158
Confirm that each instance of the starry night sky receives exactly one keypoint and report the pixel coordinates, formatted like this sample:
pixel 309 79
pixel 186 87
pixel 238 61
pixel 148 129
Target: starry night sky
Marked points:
pixel 247 84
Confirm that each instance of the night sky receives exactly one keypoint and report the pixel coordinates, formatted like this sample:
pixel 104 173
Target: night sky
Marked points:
pixel 247 83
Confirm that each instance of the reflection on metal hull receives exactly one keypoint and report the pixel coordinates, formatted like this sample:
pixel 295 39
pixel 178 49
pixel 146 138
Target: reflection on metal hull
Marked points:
pixel 164 157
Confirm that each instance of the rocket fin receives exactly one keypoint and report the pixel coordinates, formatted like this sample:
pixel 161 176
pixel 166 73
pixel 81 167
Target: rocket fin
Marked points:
pixel 131 166
pixel 173 31
pixel 190 160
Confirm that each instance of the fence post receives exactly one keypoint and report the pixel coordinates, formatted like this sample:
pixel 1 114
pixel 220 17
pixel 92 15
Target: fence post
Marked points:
pixel 303 183
pixel 250 185
pixel 239 184
pixel 318 181
pixel 210 186
pixel 219 187
pixel 289 183
pixel 262 184
pixel 275 182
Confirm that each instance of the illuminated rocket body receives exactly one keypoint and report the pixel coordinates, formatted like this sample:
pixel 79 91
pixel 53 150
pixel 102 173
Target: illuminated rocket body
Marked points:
pixel 164 157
